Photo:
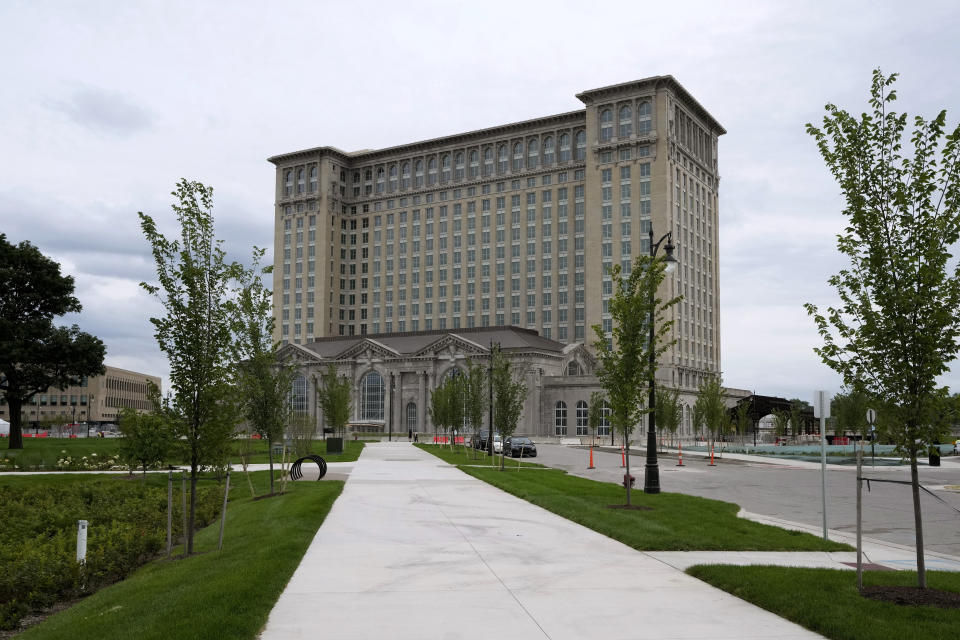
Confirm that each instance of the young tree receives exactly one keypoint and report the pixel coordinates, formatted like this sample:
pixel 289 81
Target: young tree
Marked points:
pixel 440 406
pixel 34 354
pixel 796 417
pixel 781 422
pixel 262 382
pixel 595 413
pixel 628 360
pixel 849 412
pixel 669 411
pixel 896 328
pixel 475 396
pixel 147 439
pixel 712 407
pixel 742 419
pixel 195 331
pixel 508 396
pixel 334 394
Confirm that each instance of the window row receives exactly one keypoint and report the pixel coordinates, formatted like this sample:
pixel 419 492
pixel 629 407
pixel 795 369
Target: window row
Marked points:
pixel 500 159
pixel 302 186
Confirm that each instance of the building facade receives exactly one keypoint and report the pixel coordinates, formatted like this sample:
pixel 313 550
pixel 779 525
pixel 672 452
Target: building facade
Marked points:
pixel 95 400
pixel 515 225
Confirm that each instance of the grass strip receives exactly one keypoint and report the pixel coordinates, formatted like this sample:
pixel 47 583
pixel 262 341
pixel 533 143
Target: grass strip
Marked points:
pixel 671 522
pixel 462 455
pixel 826 600
pixel 209 595
pixel 42 454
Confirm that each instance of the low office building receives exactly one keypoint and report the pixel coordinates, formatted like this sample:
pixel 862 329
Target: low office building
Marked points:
pixel 96 400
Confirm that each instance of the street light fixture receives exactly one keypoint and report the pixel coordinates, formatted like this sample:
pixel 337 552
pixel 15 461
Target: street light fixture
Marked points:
pixel 651 472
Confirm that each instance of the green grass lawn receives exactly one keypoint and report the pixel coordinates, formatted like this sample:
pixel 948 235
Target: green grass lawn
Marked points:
pixel 826 600
pixel 259 452
pixel 209 595
pixel 46 451
pixel 470 456
pixel 41 454
pixel 674 522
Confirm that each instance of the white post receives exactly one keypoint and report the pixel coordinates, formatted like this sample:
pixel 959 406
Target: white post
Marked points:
pixel 821 409
pixel 81 541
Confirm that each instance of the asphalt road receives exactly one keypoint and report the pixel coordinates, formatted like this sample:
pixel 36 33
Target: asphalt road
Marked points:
pixel 793 492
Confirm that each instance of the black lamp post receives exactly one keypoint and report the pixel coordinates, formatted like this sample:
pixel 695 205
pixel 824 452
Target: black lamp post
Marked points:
pixel 651 472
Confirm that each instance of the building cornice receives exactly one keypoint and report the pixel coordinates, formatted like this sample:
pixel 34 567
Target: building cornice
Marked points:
pixel 593 96
pixel 571 118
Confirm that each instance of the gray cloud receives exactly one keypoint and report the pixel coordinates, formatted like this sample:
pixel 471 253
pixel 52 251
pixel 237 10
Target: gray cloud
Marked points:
pixel 104 111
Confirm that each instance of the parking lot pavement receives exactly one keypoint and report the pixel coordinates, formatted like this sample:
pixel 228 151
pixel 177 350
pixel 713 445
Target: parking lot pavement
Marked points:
pixel 790 491
pixel 415 548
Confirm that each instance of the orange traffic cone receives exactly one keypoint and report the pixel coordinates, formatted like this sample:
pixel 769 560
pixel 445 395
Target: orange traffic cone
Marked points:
pixel 591 459
pixel 680 454
pixel 711 457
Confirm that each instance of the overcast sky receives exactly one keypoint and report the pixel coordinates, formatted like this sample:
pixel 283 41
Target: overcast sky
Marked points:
pixel 105 105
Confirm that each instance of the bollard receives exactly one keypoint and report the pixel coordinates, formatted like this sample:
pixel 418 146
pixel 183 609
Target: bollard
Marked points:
pixel 81 541
pixel 623 459
pixel 680 454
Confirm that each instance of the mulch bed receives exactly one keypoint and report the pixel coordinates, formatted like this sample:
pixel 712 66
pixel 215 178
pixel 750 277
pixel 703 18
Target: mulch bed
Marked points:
pixel 914 596
pixel 631 507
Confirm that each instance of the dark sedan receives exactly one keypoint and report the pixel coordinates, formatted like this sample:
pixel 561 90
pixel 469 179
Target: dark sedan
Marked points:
pixel 518 447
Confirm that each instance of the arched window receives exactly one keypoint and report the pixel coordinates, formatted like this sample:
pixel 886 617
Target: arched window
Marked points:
pixel 405 174
pixel 368 175
pixel 474 164
pixel 452 373
pixel 583 419
pixel 533 153
pixel 488 161
pixel 606 125
pixel 301 181
pixel 560 418
pixel 313 179
pixel 381 180
pixel 288 183
pixel 392 186
pixel 548 151
pixel 503 159
pixel 518 156
pixel 625 129
pixel 445 168
pixel 356 177
pixel 371 397
pixel 418 174
pixel 603 429
pixel 644 123
pixel 458 170
pixel 581 153
pixel 411 416
pixel 298 395
pixel 432 171
pixel 564 147
pixel 573 369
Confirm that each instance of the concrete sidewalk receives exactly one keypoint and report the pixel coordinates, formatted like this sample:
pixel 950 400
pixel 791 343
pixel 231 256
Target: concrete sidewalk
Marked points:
pixel 414 548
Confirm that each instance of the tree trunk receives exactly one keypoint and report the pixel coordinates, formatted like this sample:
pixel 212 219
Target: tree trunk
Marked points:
pixel 193 507
pixel 626 478
pixel 918 521
pixel 270 458
pixel 16 423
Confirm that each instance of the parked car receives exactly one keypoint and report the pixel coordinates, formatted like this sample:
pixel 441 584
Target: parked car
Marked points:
pixel 497 444
pixel 480 442
pixel 519 446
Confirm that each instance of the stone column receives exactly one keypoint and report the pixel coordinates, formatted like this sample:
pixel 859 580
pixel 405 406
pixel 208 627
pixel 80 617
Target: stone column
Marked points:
pixel 427 422
pixel 421 401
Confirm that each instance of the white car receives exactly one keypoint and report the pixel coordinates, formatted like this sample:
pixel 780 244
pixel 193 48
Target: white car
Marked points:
pixel 497 444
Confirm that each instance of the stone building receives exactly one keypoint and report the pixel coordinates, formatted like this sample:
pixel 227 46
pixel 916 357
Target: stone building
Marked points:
pixel 514 225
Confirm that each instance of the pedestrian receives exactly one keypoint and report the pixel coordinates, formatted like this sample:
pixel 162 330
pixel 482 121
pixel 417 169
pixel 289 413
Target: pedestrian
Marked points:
pixel 409 435
pixel 416 437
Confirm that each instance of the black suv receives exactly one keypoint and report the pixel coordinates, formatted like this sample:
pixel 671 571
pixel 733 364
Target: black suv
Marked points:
pixel 519 446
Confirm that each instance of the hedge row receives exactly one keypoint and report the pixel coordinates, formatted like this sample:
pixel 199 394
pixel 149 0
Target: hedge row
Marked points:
pixel 127 527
